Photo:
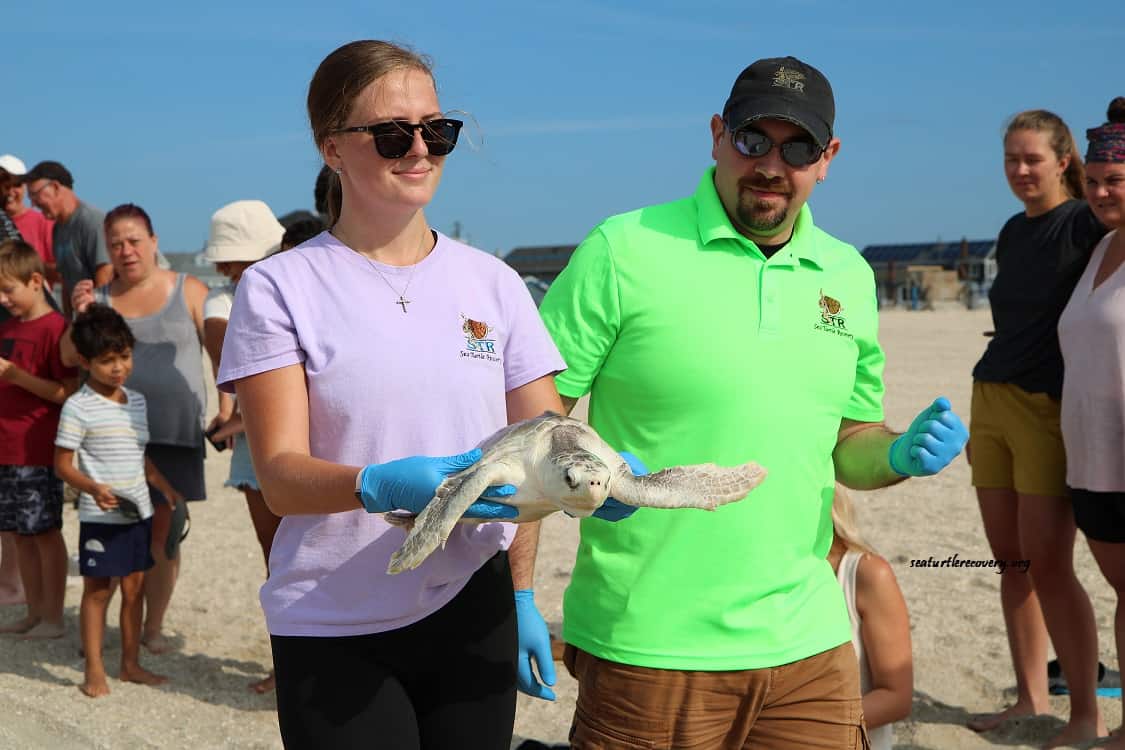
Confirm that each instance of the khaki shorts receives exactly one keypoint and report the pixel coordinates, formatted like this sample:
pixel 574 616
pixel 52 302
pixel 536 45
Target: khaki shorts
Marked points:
pixel 808 704
pixel 1015 441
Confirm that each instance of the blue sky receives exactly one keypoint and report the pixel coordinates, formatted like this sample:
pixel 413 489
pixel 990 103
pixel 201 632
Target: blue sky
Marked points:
pixel 585 108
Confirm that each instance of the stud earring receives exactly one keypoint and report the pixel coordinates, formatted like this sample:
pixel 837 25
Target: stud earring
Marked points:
pixel 339 171
pixel 819 180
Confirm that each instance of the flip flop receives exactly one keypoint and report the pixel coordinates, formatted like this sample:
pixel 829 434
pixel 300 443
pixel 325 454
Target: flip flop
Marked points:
pixel 1056 683
pixel 178 530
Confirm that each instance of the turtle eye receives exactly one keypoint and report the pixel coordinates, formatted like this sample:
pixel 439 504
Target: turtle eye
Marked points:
pixel 571 481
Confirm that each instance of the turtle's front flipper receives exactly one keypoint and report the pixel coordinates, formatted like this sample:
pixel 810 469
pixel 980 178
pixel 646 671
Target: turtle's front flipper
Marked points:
pixel 437 519
pixel 705 486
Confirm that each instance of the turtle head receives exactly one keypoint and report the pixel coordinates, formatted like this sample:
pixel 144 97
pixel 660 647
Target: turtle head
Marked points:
pixel 579 480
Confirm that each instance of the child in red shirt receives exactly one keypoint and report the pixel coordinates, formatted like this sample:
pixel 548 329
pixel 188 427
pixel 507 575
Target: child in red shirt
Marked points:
pixel 33 385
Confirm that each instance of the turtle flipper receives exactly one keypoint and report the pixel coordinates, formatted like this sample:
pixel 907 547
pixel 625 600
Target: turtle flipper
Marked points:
pixel 705 486
pixel 451 499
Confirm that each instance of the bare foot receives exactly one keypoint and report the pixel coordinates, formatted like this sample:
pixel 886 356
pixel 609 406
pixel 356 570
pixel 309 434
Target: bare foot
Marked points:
pixel 156 644
pixel 44 631
pixel 263 686
pixel 1077 732
pixel 988 722
pixel 94 688
pixel 141 675
pixel 1117 743
pixel 20 626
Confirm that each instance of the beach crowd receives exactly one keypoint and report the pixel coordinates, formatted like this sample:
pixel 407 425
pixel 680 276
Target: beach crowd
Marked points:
pixel 360 357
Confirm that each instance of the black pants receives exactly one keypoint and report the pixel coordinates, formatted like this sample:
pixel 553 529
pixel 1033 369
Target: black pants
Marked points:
pixel 448 681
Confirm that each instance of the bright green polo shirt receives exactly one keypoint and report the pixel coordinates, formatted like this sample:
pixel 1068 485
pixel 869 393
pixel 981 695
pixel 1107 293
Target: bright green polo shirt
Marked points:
pixel 696 348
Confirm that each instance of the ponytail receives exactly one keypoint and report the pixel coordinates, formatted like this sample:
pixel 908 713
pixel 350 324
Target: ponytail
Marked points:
pixel 335 199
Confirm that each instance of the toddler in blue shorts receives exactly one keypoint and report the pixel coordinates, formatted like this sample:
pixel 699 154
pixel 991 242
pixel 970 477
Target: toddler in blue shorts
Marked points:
pixel 107 426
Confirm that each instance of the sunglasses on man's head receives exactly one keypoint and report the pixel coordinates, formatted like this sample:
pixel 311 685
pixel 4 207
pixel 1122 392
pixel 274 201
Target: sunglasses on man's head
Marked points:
pixel 394 138
pixel 754 143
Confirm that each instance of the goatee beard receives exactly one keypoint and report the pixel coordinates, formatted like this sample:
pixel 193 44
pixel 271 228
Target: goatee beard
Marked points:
pixel 760 217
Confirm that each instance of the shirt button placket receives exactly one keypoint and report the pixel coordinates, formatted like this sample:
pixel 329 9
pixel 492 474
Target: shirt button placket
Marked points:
pixel 769 317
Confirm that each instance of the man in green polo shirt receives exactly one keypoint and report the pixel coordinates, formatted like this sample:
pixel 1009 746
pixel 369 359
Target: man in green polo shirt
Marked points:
pixel 727 327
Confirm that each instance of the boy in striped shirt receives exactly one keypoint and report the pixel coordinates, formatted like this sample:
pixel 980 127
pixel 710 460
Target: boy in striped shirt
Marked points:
pixel 106 425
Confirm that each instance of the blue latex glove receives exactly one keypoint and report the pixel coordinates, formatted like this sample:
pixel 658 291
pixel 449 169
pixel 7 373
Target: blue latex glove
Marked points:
pixel 534 642
pixel 613 509
pixel 409 484
pixel 934 439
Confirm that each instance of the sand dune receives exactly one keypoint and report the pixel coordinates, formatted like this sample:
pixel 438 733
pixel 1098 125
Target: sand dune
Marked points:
pixel 960 653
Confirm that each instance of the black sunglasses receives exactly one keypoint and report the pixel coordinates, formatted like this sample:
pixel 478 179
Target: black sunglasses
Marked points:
pixel 394 138
pixel 754 143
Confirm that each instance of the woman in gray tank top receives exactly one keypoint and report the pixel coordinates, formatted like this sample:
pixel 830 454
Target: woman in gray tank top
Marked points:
pixel 165 312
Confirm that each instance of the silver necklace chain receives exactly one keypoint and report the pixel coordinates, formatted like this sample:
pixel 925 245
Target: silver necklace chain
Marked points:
pixel 402 301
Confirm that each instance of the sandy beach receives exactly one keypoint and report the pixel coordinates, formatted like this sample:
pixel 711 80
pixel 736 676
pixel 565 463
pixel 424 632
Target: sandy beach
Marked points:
pixel 961 660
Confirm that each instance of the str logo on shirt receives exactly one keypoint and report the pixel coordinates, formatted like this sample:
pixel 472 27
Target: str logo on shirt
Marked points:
pixel 477 345
pixel 831 317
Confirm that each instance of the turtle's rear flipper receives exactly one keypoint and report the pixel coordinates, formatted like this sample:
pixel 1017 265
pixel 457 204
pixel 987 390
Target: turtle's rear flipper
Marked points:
pixel 705 486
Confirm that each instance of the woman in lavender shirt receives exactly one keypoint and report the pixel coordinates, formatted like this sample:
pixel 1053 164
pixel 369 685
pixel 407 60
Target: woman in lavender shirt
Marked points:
pixel 357 357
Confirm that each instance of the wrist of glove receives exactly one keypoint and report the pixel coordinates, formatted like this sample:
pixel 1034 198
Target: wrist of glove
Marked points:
pixel 613 509
pixel 408 484
pixel 935 437
pixel 534 643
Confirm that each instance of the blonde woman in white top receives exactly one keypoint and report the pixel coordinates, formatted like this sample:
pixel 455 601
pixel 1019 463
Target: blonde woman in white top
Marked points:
pixel 880 625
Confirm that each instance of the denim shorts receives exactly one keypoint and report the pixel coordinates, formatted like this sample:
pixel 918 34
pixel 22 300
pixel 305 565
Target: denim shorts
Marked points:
pixel 241 468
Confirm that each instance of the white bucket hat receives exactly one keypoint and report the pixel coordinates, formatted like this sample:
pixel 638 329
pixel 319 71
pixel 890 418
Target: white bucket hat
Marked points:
pixel 243 231
pixel 13 165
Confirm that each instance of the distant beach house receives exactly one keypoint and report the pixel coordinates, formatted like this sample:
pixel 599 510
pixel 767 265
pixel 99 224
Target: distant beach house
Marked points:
pixel 545 262
pixel 197 265
pixel 933 271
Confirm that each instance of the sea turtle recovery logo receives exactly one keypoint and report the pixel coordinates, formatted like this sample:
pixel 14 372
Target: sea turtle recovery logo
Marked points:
pixel 478 345
pixel 789 79
pixel 832 317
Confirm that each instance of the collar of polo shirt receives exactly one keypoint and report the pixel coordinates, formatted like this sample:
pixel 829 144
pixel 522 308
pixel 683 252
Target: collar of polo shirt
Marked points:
pixel 714 224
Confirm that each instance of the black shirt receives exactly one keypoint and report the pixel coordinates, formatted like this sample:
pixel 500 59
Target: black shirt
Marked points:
pixel 1039 261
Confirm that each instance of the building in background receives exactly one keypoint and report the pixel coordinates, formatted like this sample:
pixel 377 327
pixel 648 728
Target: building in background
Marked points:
pixel 198 266
pixel 922 274
pixel 544 262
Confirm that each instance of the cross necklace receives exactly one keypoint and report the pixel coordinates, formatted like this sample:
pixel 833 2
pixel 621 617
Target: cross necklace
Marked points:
pixel 402 301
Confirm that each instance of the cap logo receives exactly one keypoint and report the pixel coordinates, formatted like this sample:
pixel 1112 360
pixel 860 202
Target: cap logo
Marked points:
pixel 789 79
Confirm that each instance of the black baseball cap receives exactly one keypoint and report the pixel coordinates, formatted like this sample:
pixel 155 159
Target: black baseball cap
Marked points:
pixel 50 170
pixel 783 88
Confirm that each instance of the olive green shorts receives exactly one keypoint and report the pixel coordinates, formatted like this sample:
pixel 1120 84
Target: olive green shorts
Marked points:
pixel 1015 441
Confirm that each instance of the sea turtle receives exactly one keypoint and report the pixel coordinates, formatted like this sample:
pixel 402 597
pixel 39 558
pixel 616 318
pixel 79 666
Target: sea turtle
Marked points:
pixel 559 463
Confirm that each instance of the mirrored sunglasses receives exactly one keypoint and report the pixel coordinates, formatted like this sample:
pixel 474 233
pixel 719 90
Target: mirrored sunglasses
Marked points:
pixel 754 143
pixel 394 138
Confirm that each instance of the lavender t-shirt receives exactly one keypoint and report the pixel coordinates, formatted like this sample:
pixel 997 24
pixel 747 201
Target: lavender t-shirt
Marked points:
pixel 383 384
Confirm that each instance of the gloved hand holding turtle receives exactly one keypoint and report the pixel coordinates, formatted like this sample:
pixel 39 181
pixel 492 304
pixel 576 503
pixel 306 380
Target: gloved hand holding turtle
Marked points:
pixel 613 509
pixel 408 484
